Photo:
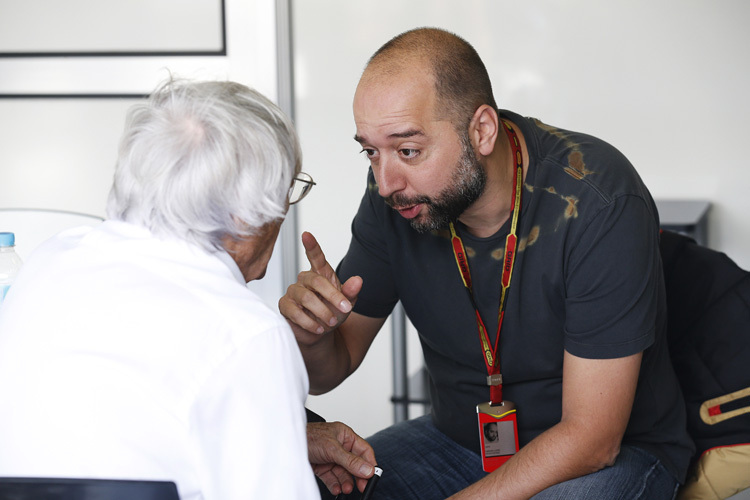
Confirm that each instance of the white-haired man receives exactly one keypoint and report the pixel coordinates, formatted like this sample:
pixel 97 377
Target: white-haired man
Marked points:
pixel 135 349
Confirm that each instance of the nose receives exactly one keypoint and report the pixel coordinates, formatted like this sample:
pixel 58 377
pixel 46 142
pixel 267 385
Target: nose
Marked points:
pixel 390 177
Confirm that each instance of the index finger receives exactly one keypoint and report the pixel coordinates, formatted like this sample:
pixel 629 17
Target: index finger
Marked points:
pixel 363 449
pixel 315 254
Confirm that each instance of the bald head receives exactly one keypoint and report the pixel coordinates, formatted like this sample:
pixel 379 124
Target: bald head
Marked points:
pixel 459 78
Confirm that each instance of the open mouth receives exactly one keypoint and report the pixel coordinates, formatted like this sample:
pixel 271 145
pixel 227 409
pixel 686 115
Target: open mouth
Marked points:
pixel 410 212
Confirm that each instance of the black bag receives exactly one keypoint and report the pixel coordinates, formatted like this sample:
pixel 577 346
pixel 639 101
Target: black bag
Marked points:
pixel 708 304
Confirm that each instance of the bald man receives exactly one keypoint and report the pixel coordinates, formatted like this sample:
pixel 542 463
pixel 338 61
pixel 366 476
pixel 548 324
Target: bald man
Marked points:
pixel 527 258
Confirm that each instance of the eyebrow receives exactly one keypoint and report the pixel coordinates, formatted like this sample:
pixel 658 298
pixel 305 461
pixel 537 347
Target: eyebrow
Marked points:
pixel 395 135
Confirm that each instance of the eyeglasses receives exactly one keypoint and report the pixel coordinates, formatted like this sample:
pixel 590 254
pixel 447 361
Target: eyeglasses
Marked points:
pixel 301 185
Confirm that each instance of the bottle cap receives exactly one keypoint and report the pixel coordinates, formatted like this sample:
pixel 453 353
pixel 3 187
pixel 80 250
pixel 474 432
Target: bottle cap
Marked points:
pixel 7 239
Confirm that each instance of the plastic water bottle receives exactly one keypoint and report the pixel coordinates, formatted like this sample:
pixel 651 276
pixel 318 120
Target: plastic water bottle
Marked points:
pixel 10 263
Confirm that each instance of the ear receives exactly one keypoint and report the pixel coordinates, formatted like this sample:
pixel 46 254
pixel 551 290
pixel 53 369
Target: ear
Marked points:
pixel 483 129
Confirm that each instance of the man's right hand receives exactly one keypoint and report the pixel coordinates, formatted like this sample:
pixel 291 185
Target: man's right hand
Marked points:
pixel 318 303
pixel 333 340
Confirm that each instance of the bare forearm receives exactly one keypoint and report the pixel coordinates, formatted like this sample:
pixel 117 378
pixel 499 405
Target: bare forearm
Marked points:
pixel 597 399
pixel 328 362
pixel 563 452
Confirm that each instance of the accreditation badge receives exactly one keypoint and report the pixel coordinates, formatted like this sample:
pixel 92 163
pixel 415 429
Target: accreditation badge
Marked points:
pixel 498 433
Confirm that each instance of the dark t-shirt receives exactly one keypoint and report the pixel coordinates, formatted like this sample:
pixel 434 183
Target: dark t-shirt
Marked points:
pixel 587 279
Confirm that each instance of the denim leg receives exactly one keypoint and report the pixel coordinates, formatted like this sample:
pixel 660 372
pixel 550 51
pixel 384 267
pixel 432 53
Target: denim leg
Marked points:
pixel 636 475
pixel 420 462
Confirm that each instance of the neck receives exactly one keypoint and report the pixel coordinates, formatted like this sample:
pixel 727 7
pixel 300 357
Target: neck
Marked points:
pixel 487 215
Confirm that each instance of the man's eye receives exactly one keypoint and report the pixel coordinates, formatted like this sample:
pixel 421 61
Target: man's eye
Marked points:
pixel 409 153
pixel 368 152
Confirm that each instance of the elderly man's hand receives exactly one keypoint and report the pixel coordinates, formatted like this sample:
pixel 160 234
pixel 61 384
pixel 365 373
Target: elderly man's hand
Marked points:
pixel 337 453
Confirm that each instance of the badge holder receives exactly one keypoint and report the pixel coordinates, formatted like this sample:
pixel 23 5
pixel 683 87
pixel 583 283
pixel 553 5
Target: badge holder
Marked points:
pixel 498 433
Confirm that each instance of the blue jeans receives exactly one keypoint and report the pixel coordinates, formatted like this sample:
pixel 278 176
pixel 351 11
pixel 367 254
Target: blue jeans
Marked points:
pixel 420 462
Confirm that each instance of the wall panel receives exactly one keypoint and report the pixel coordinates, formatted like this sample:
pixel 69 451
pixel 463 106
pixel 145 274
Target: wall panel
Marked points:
pixel 62 105
pixel 666 82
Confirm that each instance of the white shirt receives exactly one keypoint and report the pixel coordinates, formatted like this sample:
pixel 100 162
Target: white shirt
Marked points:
pixel 126 356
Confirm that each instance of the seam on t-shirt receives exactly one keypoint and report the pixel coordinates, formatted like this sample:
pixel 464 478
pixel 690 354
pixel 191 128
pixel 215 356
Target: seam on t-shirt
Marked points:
pixel 612 350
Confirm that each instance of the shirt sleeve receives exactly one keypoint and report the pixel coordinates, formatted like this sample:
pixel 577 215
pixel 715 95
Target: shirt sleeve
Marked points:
pixel 614 282
pixel 248 423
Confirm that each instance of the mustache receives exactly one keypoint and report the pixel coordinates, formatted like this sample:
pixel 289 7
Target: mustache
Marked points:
pixel 399 200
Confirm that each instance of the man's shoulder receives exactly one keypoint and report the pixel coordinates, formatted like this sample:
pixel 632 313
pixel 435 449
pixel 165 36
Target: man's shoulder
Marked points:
pixel 580 165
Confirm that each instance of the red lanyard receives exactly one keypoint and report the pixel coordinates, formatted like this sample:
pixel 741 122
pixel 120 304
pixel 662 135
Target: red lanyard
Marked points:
pixel 491 359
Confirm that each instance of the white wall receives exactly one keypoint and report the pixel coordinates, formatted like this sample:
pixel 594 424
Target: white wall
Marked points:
pixel 59 153
pixel 665 81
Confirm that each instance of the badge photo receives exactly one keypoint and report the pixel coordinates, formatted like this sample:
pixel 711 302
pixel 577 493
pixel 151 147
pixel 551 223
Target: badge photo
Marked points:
pixel 498 433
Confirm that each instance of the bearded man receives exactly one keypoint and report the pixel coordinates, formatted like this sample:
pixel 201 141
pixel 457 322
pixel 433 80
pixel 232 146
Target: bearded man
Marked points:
pixel 527 258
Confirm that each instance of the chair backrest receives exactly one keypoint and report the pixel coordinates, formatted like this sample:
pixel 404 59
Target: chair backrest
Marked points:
pixel 32 226
pixel 31 488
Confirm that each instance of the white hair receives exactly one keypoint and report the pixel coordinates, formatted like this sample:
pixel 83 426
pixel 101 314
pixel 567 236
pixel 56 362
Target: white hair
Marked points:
pixel 204 160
